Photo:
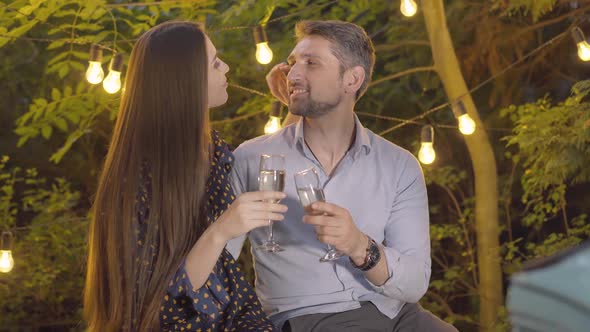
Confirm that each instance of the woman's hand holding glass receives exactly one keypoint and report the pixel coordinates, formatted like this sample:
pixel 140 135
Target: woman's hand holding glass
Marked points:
pixel 271 178
pixel 249 211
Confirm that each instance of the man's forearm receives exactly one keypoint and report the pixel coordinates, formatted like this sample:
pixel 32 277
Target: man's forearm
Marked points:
pixel 379 274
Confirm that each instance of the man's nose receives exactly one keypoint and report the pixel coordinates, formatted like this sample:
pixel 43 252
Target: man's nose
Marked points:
pixel 294 74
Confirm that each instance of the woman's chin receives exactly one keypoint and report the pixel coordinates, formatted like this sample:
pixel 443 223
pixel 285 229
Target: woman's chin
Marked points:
pixel 220 102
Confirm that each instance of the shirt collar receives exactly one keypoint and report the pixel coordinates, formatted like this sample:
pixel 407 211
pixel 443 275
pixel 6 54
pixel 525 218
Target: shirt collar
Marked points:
pixel 361 141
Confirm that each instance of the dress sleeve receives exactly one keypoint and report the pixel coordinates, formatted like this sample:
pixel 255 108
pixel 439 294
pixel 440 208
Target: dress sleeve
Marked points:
pixel 209 300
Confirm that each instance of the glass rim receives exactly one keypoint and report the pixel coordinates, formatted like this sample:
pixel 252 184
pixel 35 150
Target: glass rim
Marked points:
pixel 307 170
pixel 269 155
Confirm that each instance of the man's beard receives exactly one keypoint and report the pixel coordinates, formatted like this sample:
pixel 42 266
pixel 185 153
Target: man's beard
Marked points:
pixel 312 109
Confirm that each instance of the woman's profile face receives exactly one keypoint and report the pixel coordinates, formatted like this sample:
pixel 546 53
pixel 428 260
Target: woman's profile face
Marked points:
pixel 217 85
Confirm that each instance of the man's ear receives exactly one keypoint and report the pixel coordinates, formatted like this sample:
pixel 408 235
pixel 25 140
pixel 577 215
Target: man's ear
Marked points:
pixel 353 79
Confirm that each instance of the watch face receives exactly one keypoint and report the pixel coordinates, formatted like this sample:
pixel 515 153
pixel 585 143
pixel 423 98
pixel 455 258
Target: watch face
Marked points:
pixel 374 255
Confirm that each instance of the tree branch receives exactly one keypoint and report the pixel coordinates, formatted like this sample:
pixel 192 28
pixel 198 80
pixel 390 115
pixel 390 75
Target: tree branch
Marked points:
pixel 150 3
pixel 450 311
pixel 459 280
pixel 392 47
pixel 402 73
pixel 238 118
pixel 509 200
pixel 465 232
pixel 551 21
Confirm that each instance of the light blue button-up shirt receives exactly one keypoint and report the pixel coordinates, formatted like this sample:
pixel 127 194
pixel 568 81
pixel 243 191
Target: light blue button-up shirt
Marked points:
pixel 381 185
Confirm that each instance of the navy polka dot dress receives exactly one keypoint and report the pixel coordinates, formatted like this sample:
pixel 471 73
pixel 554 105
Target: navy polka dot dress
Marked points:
pixel 226 302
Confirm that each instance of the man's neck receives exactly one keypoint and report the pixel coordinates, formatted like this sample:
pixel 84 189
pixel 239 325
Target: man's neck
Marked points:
pixel 330 136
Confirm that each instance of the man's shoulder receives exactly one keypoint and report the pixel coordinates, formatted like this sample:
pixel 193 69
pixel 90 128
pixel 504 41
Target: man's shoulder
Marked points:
pixel 393 157
pixel 387 148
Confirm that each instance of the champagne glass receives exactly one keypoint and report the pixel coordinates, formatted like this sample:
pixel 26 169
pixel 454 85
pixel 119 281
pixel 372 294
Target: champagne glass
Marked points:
pixel 309 191
pixel 271 178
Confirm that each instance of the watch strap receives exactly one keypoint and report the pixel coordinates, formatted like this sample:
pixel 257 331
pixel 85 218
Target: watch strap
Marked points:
pixel 372 258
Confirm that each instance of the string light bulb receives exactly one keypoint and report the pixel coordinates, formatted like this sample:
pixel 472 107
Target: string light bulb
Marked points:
pixel 408 8
pixel 466 123
pixel 112 83
pixel 274 122
pixel 581 43
pixel 6 260
pixel 263 51
pixel 94 73
pixel 427 155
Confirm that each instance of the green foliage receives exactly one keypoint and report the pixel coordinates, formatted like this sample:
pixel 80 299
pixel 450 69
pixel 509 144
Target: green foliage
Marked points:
pixel 50 113
pixel 536 8
pixel 553 147
pixel 549 149
pixel 71 112
pixel 49 252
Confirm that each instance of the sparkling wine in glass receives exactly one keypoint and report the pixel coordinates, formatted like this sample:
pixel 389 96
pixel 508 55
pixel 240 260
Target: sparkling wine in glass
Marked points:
pixel 309 191
pixel 271 178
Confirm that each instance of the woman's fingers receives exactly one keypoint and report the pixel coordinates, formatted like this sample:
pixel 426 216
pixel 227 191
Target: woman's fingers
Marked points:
pixel 277 82
pixel 268 196
pixel 261 215
pixel 263 206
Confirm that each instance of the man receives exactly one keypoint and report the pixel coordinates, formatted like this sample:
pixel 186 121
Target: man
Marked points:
pixel 376 209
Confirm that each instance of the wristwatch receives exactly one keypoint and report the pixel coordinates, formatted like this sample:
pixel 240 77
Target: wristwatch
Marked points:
pixel 373 256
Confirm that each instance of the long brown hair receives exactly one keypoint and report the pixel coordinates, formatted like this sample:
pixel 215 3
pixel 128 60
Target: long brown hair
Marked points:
pixel 162 123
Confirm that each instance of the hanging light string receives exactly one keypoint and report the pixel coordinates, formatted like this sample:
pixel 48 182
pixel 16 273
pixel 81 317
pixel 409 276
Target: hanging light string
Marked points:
pixel 413 120
pixel 112 82
pixel 6 260
pixel 82 41
pixel 253 91
pixel 238 118
pixel 212 29
pixel 436 125
pixel 277 19
pixel 403 122
pixel 478 86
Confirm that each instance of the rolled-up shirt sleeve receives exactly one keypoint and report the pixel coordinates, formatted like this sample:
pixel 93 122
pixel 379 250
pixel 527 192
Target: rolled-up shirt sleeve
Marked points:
pixel 407 238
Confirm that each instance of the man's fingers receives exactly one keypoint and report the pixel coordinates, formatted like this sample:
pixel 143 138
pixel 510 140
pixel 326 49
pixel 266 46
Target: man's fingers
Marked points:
pixel 284 67
pixel 277 82
pixel 328 230
pixel 327 239
pixel 284 94
pixel 319 220
pixel 327 208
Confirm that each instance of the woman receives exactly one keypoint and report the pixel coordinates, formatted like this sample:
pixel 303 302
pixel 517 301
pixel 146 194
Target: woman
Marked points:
pixel 164 208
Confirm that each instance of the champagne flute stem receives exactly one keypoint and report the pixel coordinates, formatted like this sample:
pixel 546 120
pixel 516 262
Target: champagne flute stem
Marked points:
pixel 270 233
